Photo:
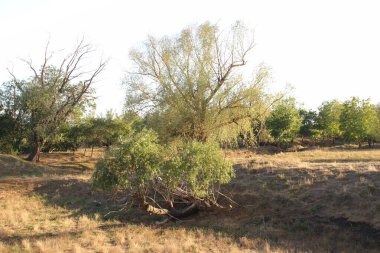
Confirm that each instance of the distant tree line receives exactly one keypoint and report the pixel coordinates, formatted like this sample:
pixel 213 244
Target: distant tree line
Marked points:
pixel 352 121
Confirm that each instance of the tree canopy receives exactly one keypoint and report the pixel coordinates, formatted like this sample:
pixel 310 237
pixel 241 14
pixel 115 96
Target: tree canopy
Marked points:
pixel 284 121
pixel 329 119
pixel 359 121
pixel 191 85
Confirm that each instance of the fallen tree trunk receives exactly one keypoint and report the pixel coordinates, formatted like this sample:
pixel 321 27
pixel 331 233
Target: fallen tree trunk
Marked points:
pixel 172 212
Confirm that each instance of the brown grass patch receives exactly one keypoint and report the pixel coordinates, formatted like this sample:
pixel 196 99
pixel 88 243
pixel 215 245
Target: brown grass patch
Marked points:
pixel 313 201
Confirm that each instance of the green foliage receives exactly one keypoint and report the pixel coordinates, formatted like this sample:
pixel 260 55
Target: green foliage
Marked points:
pixel 329 119
pixel 359 121
pixel 284 122
pixel 309 127
pixel 6 134
pixel 191 86
pixel 90 132
pixel 12 119
pixel 132 166
pixel 140 165
pixel 68 137
pixel 199 167
pixel 105 131
pixel 44 102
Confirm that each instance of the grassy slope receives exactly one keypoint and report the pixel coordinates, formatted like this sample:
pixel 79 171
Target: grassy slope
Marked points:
pixel 311 201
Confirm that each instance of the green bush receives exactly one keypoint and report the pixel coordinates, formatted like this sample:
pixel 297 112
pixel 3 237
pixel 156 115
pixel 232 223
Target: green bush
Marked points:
pixel 198 167
pixel 133 165
pixel 144 167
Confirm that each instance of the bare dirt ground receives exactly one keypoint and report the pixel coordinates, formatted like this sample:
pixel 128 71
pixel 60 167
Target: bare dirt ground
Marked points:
pixel 325 200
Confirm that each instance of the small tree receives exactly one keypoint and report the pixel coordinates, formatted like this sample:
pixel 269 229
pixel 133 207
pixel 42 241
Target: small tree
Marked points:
pixel 13 119
pixel 359 121
pixel 309 127
pixel 7 134
pixel 131 166
pixel 104 131
pixel 285 122
pixel 158 179
pixel 329 119
pixel 371 123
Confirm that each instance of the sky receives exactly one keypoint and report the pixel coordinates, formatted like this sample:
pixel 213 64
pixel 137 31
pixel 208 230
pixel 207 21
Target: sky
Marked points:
pixel 323 49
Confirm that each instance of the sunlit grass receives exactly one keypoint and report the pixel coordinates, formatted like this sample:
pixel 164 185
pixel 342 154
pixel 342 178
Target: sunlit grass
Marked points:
pixel 285 200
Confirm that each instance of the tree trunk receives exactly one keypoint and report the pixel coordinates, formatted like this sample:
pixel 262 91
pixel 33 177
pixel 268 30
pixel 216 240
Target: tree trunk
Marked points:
pixel 370 143
pixel 34 155
pixel 92 151
pixel 172 212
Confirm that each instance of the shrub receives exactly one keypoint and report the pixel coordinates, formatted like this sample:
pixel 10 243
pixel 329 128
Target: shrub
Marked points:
pixel 133 165
pixel 199 167
pixel 191 173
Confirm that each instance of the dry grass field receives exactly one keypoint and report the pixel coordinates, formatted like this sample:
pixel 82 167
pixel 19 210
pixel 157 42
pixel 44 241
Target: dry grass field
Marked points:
pixel 325 200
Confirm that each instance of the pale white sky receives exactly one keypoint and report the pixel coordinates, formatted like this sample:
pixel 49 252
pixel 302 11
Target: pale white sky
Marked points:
pixel 325 49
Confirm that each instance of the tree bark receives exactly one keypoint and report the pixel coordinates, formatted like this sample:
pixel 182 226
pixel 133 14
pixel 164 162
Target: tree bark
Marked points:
pixel 34 155
pixel 370 143
pixel 172 212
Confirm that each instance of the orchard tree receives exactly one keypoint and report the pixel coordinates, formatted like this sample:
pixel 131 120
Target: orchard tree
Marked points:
pixel 52 93
pixel 359 121
pixel 285 122
pixel 329 119
pixel 191 85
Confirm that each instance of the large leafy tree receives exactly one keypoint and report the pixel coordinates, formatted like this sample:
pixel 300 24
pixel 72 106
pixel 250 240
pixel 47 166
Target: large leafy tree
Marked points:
pixel 191 85
pixel 359 121
pixel 285 122
pixel 45 100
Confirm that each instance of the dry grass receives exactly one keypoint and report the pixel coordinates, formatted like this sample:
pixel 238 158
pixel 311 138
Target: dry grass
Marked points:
pixel 311 201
